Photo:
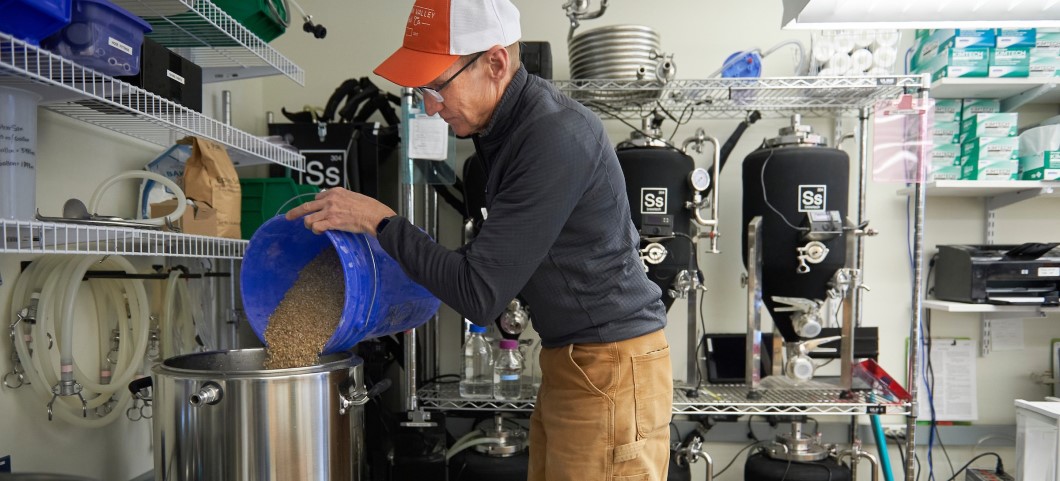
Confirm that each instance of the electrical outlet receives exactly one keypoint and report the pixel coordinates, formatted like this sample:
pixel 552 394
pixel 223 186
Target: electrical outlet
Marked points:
pixel 894 430
pixel 5 464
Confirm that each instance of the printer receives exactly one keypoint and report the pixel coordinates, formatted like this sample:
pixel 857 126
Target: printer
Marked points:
pixel 1026 274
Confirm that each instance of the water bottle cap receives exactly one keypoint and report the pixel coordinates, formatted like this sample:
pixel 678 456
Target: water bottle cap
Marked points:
pixel 509 344
pixel 477 329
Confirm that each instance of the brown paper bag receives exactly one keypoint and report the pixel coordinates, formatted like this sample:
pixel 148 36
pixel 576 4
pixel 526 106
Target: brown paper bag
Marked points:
pixel 199 219
pixel 210 178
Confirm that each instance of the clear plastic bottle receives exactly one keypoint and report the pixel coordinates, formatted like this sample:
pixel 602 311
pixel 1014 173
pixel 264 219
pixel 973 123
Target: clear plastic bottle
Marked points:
pixel 477 381
pixel 507 371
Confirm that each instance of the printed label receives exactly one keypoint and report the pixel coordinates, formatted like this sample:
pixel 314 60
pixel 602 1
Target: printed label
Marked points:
pixel 812 197
pixel 174 76
pixel 653 200
pixel 113 42
pixel 509 377
pixel 1048 271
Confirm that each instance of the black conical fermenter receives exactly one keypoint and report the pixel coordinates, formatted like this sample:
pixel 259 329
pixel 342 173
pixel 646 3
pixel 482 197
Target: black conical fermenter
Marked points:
pixel 783 182
pixel 657 186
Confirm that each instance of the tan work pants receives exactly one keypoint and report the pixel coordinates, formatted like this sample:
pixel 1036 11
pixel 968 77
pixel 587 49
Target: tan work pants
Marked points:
pixel 603 412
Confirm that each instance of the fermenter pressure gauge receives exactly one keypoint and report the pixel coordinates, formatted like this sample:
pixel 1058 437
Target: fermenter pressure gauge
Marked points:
pixel 700 179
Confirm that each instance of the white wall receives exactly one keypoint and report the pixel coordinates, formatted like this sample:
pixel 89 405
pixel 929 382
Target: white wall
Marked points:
pixel 75 157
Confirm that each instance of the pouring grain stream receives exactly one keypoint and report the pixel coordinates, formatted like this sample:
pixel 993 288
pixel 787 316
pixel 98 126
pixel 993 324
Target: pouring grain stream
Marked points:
pixel 308 314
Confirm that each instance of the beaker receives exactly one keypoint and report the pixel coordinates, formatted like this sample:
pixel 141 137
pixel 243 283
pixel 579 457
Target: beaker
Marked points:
pixel 18 153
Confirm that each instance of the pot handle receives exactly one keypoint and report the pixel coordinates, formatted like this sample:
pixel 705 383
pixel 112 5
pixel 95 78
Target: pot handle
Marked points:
pixel 138 385
pixel 358 397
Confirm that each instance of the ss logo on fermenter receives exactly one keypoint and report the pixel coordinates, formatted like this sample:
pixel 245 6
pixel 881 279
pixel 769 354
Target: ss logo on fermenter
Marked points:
pixel 653 200
pixel 812 197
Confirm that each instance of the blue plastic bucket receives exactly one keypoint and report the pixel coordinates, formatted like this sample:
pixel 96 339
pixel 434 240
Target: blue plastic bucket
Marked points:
pixel 380 298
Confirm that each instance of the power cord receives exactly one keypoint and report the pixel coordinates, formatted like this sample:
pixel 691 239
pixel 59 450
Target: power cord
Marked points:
pixel 999 468
pixel 733 460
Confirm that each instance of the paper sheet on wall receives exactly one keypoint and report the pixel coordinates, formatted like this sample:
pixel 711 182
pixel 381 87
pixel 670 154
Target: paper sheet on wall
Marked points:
pixel 1006 334
pixel 428 138
pixel 955 395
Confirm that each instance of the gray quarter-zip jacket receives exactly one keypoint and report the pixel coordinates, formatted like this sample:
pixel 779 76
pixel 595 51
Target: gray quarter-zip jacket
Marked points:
pixel 558 228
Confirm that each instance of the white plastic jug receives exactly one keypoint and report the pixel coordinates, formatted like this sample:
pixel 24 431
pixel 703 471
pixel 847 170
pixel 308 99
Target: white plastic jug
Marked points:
pixel 18 153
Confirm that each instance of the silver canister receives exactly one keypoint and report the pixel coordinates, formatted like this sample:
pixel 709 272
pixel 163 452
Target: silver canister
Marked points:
pixel 221 415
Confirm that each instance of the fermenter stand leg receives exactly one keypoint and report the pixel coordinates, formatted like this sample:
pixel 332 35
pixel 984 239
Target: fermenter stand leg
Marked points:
pixel 754 308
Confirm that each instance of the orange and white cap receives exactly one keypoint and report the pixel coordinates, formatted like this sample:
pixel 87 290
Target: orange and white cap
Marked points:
pixel 440 31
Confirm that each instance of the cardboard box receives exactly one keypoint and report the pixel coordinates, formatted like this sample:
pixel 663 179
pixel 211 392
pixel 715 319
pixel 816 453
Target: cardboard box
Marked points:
pixel 979 106
pixel 1045 166
pixel 947 110
pixel 1045 62
pixel 1016 37
pixel 990 148
pixel 989 125
pixel 200 219
pixel 945 132
pixel 1010 62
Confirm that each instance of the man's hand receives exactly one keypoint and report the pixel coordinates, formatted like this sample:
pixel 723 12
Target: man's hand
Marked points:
pixel 340 209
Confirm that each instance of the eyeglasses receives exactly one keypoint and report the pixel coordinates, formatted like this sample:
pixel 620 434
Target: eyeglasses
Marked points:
pixel 436 93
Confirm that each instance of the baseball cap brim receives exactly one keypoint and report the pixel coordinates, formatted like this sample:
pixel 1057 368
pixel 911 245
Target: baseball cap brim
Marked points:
pixel 414 68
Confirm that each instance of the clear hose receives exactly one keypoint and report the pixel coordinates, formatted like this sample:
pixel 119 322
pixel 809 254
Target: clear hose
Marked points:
pixel 182 201
pixel 46 276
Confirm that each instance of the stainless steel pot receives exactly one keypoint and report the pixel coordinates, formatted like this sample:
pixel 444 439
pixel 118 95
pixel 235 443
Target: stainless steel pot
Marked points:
pixel 222 416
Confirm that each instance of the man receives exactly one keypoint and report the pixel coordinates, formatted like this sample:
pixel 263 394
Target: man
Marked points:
pixel 557 231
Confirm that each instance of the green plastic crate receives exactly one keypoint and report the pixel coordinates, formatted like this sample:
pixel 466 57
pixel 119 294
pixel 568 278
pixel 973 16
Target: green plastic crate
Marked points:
pixel 258 16
pixel 263 199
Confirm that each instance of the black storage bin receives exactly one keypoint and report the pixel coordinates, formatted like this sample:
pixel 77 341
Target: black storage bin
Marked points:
pixel 168 75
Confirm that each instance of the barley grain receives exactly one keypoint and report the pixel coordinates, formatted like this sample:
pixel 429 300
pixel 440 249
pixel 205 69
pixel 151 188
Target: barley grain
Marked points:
pixel 308 314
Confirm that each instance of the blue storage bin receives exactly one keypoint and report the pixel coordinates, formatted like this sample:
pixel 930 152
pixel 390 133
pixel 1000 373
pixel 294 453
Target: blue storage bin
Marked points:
pixel 33 20
pixel 101 36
